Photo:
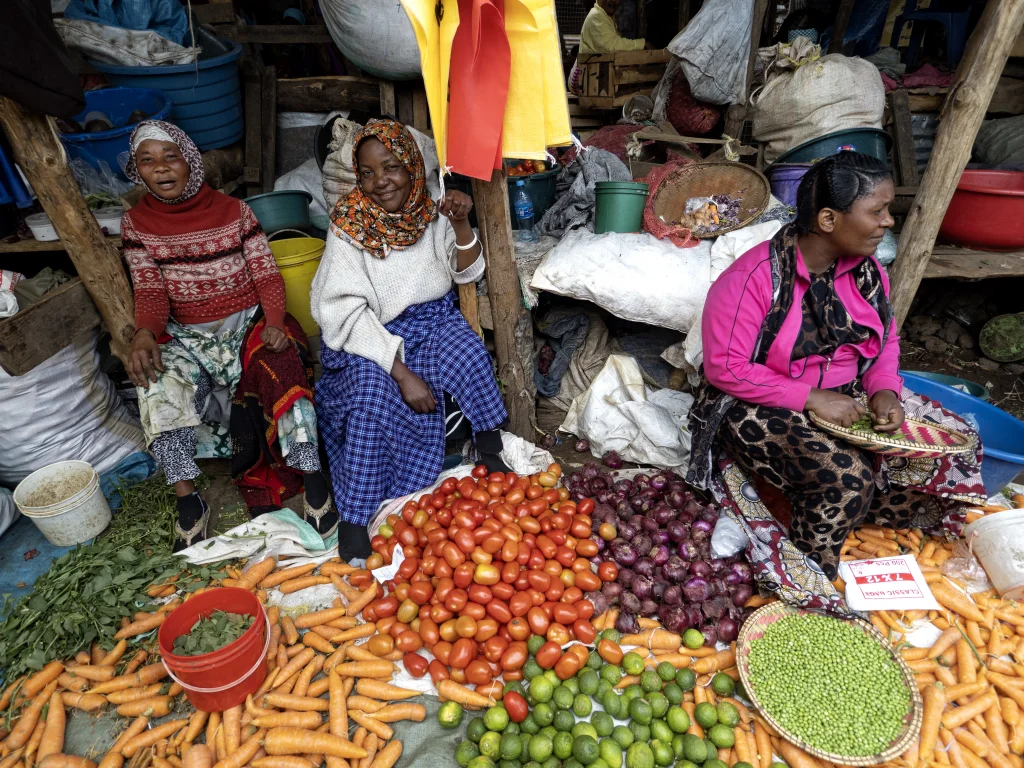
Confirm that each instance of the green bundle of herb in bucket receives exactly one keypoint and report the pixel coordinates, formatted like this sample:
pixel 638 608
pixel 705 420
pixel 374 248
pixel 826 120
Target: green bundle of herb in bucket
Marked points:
pixel 212 633
pixel 214 645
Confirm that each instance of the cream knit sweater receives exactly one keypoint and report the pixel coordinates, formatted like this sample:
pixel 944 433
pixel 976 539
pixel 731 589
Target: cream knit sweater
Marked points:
pixel 354 295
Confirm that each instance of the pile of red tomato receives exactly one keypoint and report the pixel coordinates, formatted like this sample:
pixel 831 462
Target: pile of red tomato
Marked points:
pixel 490 560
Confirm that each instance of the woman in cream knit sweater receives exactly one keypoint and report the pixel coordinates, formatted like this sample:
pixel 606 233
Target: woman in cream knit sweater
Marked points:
pixel 393 343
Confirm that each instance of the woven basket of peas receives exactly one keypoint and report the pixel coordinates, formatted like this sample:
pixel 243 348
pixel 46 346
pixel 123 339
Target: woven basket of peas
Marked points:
pixel 837 689
pixel 913 440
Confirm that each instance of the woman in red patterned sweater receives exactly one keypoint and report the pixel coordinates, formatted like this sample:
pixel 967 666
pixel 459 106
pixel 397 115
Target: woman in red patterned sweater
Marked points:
pixel 221 369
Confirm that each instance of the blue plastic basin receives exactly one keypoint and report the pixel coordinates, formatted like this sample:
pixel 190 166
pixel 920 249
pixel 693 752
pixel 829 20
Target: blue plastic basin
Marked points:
pixel 117 104
pixel 1002 435
pixel 206 96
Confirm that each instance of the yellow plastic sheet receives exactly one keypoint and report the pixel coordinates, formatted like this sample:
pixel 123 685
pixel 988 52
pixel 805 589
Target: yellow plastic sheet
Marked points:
pixel 434 37
pixel 537 112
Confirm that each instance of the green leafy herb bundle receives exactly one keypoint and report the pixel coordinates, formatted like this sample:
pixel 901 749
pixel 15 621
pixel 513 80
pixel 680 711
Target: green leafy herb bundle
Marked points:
pixel 212 633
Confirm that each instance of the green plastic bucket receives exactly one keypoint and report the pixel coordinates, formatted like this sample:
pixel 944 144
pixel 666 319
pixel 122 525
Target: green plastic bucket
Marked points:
pixel 285 209
pixel 620 206
pixel 868 141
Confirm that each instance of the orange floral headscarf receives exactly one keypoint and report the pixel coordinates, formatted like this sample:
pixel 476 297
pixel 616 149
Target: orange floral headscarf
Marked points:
pixel 367 224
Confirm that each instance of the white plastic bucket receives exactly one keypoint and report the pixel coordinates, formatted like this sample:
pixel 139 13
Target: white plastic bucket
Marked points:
pixel 65 502
pixel 42 228
pixel 109 219
pixel 997 540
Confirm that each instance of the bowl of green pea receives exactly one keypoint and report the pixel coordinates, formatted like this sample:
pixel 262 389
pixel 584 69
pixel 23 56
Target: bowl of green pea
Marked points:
pixel 835 688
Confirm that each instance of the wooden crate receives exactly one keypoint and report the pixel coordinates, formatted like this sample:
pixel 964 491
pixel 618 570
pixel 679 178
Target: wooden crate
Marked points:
pixel 610 79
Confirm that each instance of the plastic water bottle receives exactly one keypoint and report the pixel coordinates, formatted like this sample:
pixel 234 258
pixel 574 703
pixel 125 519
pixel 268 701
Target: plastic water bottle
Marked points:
pixel 523 206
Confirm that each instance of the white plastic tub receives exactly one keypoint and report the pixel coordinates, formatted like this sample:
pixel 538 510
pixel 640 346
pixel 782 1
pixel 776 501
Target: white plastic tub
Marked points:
pixel 42 228
pixel 997 540
pixel 109 219
pixel 65 502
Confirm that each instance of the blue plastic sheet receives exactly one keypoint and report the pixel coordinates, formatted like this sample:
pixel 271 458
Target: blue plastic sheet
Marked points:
pixel 167 18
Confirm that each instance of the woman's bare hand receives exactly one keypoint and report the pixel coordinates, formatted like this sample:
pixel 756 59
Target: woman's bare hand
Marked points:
pixel 887 411
pixel 414 390
pixel 455 205
pixel 834 407
pixel 275 339
pixel 144 360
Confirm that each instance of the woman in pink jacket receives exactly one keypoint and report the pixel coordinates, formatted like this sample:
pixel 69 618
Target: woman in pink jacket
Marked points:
pixel 802 324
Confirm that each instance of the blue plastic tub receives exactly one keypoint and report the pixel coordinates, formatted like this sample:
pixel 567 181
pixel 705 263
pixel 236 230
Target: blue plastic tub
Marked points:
pixel 117 104
pixel 12 188
pixel 206 96
pixel 1002 436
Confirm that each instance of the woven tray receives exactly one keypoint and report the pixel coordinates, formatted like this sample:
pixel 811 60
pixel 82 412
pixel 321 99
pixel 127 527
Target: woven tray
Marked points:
pixel 753 629
pixel 914 439
pixel 706 179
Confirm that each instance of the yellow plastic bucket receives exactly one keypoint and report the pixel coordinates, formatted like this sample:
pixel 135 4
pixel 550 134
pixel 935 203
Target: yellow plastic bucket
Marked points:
pixel 298 259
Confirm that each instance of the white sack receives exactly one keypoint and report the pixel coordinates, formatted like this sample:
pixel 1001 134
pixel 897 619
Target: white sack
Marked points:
pixel 128 47
pixel 619 413
pixel 636 277
pixel 65 408
pixel 306 177
pixel 808 97
pixel 713 50
pixel 375 35
pixel 688 354
pixel 9 511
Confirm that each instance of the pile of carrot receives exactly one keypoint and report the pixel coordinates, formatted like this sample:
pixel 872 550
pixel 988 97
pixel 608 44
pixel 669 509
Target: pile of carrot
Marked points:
pixel 327 696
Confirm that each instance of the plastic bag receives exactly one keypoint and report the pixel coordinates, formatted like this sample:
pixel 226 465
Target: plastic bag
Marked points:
pixel 100 188
pixel 964 567
pixel 167 18
pixel 728 539
pixel 619 413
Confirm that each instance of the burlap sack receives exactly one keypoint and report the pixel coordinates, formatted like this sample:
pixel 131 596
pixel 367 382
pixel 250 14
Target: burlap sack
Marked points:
pixel 805 97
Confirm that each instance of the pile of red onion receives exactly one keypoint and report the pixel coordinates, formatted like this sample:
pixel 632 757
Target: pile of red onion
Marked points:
pixel 658 533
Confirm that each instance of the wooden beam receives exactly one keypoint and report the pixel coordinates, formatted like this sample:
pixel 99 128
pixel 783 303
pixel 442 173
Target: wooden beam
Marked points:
pixel 491 198
pixel 38 246
pixel 253 126
pixel 737 113
pixel 38 151
pixel 839 28
pixel 904 156
pixel 42 330
pixel 214 13
pixel 684 15
pixel 323 94
pixel 268 128
pixel 951 261
pixel 281 34
pixel 970 93
pixel 469 305
pixel 388 104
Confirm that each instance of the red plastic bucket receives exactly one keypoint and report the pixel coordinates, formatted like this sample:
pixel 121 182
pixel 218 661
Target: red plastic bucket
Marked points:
pixel 220 680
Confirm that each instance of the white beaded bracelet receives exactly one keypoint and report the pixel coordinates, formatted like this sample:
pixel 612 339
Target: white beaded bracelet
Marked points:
pixel 466 247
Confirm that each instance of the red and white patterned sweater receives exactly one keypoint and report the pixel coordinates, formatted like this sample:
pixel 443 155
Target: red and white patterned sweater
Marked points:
pixel 198 261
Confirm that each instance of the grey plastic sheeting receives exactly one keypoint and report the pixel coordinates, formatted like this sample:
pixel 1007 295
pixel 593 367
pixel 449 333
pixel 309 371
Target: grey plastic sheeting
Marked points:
pixel 423 744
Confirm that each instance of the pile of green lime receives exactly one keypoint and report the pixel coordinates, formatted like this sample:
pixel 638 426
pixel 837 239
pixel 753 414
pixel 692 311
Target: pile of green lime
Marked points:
pixel 585 722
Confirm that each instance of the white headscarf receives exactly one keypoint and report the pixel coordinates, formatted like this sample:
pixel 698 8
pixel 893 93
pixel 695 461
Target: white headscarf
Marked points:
pixel 149 132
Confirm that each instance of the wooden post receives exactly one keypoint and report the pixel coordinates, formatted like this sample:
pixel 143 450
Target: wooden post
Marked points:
pixel 737 113
pixel 961 117
pixel 268 118
pixel 839 28
pixel 491 198
pixel 469 304
pixel 388 105
pixel 38 151
pixel 684 14
pixel 904 156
